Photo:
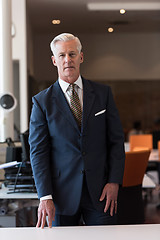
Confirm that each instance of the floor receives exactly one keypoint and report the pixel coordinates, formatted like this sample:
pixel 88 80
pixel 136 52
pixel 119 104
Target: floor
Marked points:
pixel 152 206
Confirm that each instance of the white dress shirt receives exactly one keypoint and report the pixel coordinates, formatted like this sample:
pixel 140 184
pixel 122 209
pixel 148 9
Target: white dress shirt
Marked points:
pixel 66 90
pixel 78 88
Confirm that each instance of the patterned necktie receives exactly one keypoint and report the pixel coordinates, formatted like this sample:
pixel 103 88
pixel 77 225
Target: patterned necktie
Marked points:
pixel 75 105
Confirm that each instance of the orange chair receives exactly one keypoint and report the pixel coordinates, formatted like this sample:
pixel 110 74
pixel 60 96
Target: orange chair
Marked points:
pixel 135 166
pixel 130 202
pixel 144 141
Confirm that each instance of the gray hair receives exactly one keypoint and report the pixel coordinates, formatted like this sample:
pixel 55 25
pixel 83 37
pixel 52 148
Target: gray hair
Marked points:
pixel 65 37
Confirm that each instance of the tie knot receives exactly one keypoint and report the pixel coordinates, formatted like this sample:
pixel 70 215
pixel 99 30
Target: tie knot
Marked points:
pixel 72 87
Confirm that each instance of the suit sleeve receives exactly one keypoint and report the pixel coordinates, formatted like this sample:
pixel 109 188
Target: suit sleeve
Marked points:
pixel 39 140
pixel 115 141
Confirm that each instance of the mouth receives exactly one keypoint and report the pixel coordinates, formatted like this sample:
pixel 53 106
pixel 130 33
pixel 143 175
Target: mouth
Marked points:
pixel 70 67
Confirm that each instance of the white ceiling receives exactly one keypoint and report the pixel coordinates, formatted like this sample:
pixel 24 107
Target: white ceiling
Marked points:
pixel 76 18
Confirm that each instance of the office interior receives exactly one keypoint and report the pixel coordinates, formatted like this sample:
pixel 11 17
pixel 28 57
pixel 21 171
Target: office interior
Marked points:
pixel 121 50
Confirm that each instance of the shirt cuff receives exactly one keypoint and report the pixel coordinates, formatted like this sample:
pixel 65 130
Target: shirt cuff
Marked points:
pixel 46 197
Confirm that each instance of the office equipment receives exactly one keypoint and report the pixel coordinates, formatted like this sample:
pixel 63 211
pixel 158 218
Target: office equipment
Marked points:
pixel 25 146
pixel 3 207
pixel 13 153
pixel 19 178
pixel 19 195
pixel 3 153
pixel 9 164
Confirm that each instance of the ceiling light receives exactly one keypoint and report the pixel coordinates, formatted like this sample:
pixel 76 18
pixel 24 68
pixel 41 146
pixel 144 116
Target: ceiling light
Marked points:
pixel 110 29
pixel 101 6
pixel 56 21
pixel 122 11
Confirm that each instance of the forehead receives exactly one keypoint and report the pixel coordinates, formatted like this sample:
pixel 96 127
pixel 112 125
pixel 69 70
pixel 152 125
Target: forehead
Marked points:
pixel 67 46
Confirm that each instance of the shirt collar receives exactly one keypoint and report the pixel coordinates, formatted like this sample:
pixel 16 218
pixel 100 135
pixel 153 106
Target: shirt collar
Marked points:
pixel 64 85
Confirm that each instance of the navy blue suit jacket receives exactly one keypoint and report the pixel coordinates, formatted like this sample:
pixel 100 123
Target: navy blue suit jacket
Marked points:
pixel 60 153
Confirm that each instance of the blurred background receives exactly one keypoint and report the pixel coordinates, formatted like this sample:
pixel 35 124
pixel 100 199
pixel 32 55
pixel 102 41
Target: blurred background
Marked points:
pixel 121 45
pixel 120 49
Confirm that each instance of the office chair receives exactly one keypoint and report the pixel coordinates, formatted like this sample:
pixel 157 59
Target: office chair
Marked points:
pixel 141 141
pixel 130 201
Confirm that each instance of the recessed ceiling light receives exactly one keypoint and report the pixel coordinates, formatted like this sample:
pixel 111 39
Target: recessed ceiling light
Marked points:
pixel 122 11
pixel 110 29
pixel 101 6
pixel 56 21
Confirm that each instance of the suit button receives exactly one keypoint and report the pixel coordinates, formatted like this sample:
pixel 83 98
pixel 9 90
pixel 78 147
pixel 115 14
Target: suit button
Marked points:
pixel 82 171
pixel 83 153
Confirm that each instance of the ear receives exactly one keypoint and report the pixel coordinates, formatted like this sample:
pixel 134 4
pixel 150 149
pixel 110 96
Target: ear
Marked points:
pixel 54 60
pixel 81 57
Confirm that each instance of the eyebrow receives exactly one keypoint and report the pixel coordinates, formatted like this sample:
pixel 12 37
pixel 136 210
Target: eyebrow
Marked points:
pixel 68 53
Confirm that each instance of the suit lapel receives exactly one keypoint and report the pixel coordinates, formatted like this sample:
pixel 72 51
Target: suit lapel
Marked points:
pixel 88 100
pixel 63 105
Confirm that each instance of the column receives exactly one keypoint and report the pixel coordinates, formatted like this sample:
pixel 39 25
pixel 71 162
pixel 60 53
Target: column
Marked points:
pixel 6 71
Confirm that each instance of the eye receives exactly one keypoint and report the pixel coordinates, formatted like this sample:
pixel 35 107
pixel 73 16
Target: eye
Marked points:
pixel 72 54
pixel 61 55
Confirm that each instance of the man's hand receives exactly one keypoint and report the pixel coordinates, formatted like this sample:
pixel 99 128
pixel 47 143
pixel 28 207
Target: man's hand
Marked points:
pixel 110 191
pixel 46 208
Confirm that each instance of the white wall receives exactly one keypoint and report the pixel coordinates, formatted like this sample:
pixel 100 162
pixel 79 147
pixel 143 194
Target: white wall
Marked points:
pixel 106 57
pixel 122 56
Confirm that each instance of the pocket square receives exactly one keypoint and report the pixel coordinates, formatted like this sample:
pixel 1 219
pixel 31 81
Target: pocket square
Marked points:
pixel 98 113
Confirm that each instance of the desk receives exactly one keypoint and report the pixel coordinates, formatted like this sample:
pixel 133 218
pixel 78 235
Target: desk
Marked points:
pixel 148 182
pixel 154 156
pixel 21 207
pixel 119 232
pixel 5 195
pixel 154 165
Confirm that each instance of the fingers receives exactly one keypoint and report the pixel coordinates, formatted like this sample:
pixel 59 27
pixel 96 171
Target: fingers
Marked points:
pixel 51 218
pixel 107 205
pixel 46 208
pixel 43 219
pixel 102 196
pixel 39 219
pixel 110 192
pixel 113 206
pixel 49 221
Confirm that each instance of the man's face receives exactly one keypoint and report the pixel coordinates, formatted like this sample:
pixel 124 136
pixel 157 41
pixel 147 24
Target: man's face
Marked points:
pixel 67 59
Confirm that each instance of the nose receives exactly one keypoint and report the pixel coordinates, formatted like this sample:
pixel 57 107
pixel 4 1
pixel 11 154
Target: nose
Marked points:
pixel 67 58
